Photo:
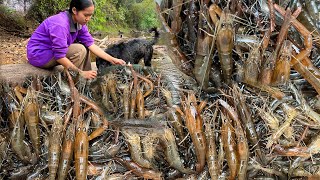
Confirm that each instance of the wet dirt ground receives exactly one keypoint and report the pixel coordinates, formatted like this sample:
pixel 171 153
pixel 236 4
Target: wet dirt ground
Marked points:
pixel 12 49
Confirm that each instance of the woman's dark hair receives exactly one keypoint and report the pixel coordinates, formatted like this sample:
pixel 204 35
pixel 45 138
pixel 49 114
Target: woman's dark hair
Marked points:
pixel 80 4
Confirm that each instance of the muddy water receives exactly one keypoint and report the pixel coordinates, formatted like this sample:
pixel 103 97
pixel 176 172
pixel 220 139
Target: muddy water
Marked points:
pixel 177 80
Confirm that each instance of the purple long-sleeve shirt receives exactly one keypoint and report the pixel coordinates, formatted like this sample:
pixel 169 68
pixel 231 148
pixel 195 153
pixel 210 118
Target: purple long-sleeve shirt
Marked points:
pixel 53 37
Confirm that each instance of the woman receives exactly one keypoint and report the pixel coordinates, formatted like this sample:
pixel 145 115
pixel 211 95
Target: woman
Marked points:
pixel 53 42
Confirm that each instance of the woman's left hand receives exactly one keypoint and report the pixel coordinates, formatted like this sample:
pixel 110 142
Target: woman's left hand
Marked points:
pixel 118 61
pixel 100 53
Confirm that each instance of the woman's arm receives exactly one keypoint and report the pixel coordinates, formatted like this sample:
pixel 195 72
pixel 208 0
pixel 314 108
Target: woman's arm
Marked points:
pixel 65 62
pixel 100 53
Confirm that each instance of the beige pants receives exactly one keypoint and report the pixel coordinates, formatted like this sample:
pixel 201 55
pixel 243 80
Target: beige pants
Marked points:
pixel 77 54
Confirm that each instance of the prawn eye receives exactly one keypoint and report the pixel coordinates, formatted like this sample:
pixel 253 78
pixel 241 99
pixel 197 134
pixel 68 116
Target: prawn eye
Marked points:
pixel 79 129
pixel 84 129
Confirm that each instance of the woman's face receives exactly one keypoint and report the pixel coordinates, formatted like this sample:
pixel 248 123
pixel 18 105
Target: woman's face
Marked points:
pixel 82 17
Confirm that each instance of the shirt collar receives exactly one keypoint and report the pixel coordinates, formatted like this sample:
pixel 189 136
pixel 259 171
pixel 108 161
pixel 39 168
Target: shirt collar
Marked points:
pixel 74 27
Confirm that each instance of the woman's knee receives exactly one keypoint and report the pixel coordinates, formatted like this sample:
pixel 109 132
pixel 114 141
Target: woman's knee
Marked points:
pixel 77 51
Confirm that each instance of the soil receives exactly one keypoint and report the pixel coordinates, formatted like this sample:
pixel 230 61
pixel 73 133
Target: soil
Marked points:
pixel 12 49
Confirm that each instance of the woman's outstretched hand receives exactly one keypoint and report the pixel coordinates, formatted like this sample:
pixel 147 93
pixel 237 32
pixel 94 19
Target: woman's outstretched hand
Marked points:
pixel 88 74
pixel 118 61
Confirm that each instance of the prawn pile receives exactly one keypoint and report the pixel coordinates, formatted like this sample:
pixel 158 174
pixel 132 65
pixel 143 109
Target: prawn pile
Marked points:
pixel 249 50
pixel 127 125
pixel 245 104
pixel 253 42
